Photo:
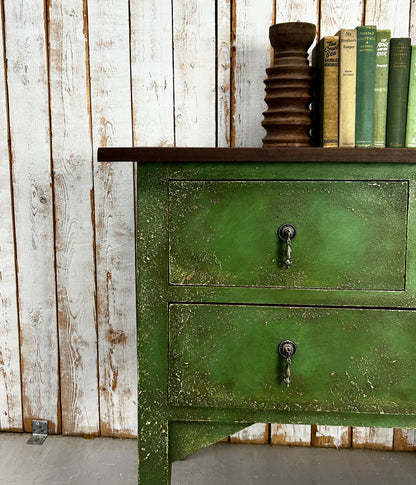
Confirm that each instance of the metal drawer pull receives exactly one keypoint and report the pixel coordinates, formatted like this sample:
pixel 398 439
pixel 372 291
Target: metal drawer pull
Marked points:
pixel 287 232
pixel 287 349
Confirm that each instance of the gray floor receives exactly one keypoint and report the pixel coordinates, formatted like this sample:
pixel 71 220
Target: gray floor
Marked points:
pixel 66 460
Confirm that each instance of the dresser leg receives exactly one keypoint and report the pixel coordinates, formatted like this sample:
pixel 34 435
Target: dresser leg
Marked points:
pixel 154 466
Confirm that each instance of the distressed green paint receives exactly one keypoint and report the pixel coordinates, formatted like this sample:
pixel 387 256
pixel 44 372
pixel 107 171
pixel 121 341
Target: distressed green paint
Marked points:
pixel 347 360
pixel 229 392
pixel 186 437
pixel 224 233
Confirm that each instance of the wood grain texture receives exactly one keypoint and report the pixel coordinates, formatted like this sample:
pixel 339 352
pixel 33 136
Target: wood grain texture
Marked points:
pixel 194 72
pixel 393 15
pixel 255 434
pixel 10 392
pixel 223 73
pixel 72 162
pixel 404 440
pixel 412 21
pixel 345 14
pixel 114 217
pixel 252 55
pixel 27 78
pixel 297 11
pixel 331 436
pixel 290 434
pixel 152 72
pixel 372 438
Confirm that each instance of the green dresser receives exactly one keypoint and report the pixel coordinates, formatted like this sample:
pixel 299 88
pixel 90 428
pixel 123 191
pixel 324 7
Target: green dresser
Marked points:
pixel 274 285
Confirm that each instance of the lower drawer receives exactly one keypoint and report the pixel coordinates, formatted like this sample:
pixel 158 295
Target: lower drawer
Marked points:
pixel 347 360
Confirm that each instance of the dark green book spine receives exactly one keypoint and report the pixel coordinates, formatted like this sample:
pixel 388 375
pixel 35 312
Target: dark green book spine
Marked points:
pixel 366 68
pixel 399 68
pixel 411 103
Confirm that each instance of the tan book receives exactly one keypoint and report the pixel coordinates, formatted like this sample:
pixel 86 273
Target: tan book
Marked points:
pixel 347 80
pixel 325 60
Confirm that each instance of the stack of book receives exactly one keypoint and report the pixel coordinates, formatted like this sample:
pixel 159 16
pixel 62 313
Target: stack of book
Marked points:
pixel 364 90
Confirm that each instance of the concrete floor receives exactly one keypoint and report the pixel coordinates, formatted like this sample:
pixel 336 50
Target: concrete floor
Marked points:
pixel 69 460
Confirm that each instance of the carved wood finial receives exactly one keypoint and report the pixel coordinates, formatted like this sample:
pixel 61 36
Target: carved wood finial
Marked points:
pixel 287 119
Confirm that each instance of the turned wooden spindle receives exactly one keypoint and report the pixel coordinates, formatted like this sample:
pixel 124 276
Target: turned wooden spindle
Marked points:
pixel 287 119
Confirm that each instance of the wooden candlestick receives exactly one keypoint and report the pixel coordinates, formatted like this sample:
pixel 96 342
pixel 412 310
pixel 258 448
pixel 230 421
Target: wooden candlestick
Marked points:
pixel 289 86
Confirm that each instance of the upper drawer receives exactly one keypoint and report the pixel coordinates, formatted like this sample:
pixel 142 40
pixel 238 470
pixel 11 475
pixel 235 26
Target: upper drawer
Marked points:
pixel 351 234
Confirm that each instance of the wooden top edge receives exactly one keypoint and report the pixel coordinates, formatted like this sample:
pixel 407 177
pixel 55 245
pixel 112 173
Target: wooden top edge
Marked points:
pixel 195 154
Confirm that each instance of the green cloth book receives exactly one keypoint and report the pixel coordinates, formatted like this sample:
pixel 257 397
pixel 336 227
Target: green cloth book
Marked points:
pixel 380 87
pixel 366 67
pixel 325 62
pixel 399 66
pixel 410 140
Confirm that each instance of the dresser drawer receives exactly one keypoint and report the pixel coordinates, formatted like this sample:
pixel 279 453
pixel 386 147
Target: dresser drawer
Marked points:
pixel 351 234
pixel 347 360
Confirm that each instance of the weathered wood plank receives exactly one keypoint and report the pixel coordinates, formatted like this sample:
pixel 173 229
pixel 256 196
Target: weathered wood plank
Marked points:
pixel 297 11
pixel 27 78
pixel 412 21
pixel 152 72
pixel 252 54
pixel 404 440
pixel 72 162
pixel 194 72
pixel 372 438
pixel 224 73
pixel 255 434
pixel 331 436
pixel 340 14
pixel 393 15
pixel 114 217
pixel 10 391
pixel 290 434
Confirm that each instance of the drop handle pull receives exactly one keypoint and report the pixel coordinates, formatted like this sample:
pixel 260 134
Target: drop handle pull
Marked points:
pixel 286 233
pixel 287 350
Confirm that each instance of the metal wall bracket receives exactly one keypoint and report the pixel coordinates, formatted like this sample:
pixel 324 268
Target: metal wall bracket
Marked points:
pixel 39 432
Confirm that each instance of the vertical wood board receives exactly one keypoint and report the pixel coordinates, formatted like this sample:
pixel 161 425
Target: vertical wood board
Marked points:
pixel 393 15
pixel 10 392
pixel 290 434
pixel 27 78
pixel 255 434
pixel 372 438
pixel 114 217
pixel 331 436
pixel 194 72
pixel 223 73
pixel 72 162
pixel 297 11
pixel 252 55
pixel 152 72
pixel 412 21
pixel 341 14
pixel 404 440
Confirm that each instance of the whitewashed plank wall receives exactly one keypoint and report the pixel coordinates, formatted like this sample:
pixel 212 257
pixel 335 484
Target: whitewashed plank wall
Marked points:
pixel 80 74
pixel 74 230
